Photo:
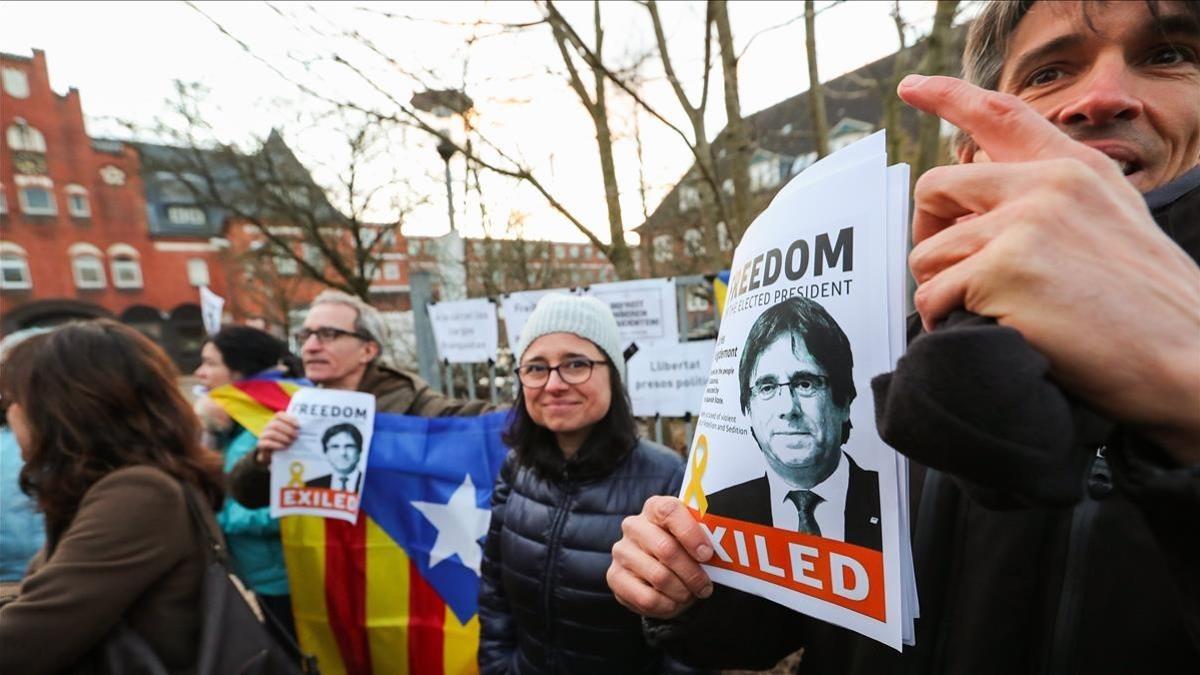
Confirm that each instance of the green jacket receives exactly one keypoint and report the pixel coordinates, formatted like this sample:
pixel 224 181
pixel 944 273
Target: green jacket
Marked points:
pixel 252 534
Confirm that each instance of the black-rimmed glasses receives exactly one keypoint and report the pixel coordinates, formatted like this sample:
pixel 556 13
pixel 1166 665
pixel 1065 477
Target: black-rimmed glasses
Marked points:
pixel 326 334
pixel 804 385
pixel 572 371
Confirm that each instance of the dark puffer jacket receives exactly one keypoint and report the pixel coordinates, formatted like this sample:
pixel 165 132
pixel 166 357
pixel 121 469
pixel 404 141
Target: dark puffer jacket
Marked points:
pixel 544 604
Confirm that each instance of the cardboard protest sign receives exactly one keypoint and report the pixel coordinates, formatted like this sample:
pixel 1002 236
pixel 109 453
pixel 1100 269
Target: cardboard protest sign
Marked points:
pixel 787 474
pixel 465 330
pixel 645 309
pixel 517 307
pixel 668 378
pixel 322 473
pixel 212 307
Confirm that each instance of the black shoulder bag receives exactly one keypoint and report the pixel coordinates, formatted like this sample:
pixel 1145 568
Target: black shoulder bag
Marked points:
pixel 233 639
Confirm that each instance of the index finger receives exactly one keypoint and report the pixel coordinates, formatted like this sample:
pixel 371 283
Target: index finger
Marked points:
pixel 1004 126
pixel 670 514
pixel 286 419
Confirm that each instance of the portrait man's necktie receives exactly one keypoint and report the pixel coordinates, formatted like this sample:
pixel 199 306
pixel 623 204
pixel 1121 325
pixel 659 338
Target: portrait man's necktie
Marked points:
pixel 806 503
pixel 344 478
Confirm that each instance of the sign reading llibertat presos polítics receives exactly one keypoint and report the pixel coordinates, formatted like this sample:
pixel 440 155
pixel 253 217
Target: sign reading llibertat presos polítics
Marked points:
pixel 787 473
pixel 323 472
pixel 465 330
pixel 668 378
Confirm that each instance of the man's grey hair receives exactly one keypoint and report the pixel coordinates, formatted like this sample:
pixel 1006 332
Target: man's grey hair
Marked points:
pixel 368 320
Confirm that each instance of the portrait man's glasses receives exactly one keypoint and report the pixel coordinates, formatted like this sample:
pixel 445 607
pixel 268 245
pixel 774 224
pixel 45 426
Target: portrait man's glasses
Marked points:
pixel 326 334
pixel 804 385
pixel 573 371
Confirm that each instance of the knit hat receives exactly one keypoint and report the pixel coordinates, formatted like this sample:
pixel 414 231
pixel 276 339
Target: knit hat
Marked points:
pixel 581 315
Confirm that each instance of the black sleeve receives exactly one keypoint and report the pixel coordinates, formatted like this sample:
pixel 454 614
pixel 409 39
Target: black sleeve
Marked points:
pixel 975 400
pixel 1168 495
pixel 731 629
pixel 497 627
pixel 249 482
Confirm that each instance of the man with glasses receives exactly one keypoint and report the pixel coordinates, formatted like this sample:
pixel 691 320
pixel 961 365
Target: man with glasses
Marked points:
pixel 340 344
pixel 796 389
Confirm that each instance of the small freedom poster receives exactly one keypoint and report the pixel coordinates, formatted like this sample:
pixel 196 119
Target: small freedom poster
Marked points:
pixel 323 472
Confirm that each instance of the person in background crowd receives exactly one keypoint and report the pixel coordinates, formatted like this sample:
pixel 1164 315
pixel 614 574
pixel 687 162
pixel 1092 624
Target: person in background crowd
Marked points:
pixel 341 345
pixel 1056 432
pixel 235 353
pixel 110 446
pixel 576 468
pixel 22 531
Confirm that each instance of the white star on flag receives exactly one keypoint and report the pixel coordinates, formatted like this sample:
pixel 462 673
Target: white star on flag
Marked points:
pixel 460 524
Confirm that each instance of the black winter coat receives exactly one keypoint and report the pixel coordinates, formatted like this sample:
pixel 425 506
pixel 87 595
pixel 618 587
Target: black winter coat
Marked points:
pixel 1029 556
pixel 544 604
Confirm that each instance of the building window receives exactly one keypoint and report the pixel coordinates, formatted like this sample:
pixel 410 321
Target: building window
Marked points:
pixel 25 138
pixel 391 271
pixel 414 248
pixel 197 270
pixel 313 256
pixel 663 248
pixel 16 83
pixel 14 267
pixel 77 202
pixel 286 266
pixel 723 236
pixel 763 174
pixel 3 201
pixel 111 175
pixel 689 197
pixel 186 215
pixel 126 272
pixel 37 200
pixel 559 251
pixel 89 270
pixel 693 241
pixel 574 251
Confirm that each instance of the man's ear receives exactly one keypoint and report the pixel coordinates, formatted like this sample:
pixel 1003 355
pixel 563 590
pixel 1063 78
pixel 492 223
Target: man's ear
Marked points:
pixel 372 350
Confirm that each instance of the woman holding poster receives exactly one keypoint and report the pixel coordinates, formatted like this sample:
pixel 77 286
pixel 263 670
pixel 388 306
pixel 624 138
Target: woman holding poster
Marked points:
pixel 236 353
pixel 577 468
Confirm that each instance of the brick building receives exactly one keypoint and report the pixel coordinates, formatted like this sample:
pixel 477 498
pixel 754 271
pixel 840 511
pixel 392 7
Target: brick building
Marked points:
pixel 74 236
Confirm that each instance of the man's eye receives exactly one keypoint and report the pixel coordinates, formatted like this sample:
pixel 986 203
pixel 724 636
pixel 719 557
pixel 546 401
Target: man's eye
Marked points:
pixel 1043 76
pixel 767 389
pixel 804 383
pixel 1170 55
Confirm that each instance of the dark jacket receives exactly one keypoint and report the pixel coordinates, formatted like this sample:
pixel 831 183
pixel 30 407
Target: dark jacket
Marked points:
pixel 396 391
pixel 130 553
pixel 544 604
pixel 751 501
pixel 1029 558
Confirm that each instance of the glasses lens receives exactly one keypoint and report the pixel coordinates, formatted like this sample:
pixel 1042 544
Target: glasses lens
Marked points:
pixel 575 372
pixel 302 335
pixel 534 375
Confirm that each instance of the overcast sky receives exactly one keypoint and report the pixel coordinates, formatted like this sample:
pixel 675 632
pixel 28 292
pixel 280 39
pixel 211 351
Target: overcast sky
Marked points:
pixel 124 58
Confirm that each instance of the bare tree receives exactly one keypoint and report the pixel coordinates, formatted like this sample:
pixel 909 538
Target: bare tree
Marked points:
pixel 935 62
pixel 737 134
pixel 816 95
pixel 268 189
pixel 596 104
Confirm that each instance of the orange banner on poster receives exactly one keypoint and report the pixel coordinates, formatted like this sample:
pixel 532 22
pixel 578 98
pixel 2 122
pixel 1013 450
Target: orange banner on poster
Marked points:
pixel 839 573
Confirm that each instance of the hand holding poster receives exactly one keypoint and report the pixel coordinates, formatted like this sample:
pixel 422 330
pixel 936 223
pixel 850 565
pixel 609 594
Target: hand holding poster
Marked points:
pixel 321 474
pixel 787 473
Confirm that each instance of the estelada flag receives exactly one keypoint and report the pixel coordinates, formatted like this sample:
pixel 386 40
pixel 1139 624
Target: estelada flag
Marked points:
pixel 397 591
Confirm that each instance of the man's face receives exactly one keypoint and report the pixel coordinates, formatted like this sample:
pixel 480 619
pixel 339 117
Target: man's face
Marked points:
pixel 342 453
pixel 341 362
pixel 1125 88
pixel 798 428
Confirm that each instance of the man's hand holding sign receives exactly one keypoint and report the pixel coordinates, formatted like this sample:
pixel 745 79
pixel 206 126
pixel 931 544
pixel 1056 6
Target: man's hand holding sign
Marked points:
pixel 1052 239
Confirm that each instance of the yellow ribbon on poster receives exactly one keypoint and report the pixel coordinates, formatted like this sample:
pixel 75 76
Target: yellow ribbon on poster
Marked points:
pixel 695 491
pixel 296 470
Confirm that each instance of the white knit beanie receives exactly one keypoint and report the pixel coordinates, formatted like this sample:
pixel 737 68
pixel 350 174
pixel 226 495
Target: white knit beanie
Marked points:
pixel 581 315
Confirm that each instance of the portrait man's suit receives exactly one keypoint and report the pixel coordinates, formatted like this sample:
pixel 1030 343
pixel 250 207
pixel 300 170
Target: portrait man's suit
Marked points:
pixel 751 501
pixel 327 481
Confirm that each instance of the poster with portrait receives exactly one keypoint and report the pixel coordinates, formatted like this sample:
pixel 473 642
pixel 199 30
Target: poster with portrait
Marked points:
pixel 323 472
pixel 787 474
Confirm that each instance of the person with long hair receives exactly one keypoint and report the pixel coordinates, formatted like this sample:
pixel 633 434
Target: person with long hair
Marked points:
pixel 576 469
pixel 236 353
pixel 110 446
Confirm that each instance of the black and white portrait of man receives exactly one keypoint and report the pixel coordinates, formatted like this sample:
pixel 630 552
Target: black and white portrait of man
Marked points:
pixel 796 386
pixel 342 445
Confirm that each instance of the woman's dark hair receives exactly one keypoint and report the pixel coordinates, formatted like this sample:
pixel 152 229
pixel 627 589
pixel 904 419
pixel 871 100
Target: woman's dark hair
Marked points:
pixel 609 443
pixel 99 396
pixel 250 351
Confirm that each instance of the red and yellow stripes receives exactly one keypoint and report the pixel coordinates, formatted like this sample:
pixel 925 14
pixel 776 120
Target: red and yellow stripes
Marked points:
pixel 363 608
